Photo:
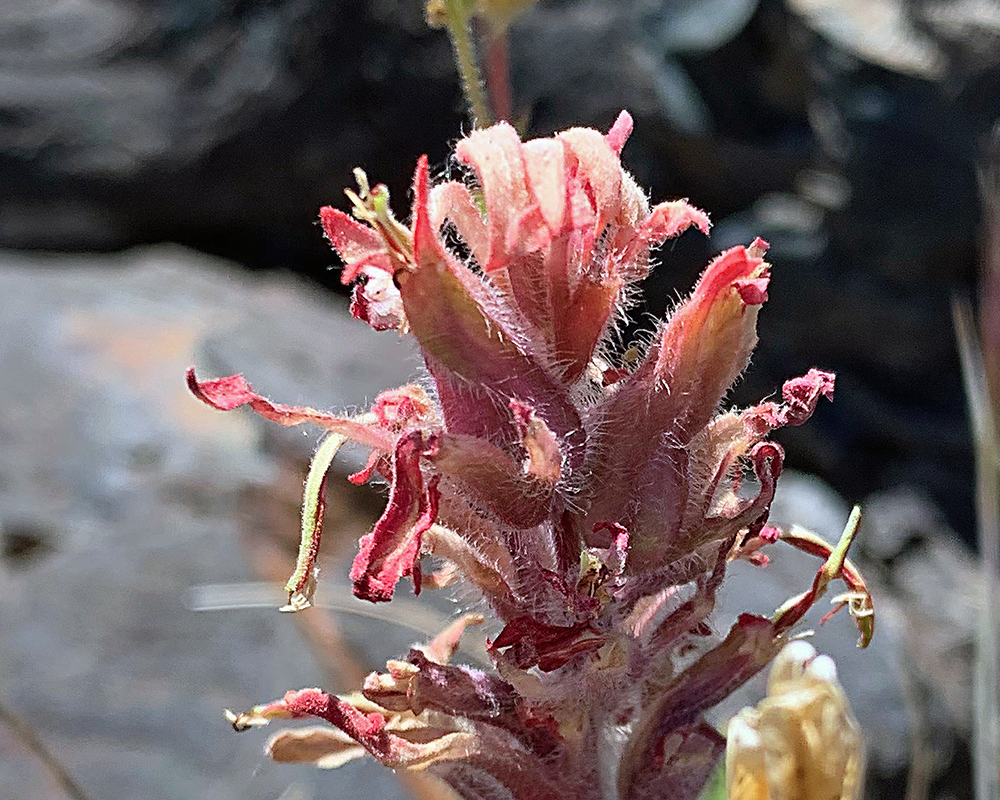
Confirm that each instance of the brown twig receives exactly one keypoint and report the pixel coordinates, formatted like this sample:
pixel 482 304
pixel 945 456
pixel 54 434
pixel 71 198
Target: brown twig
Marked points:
pixel 498 75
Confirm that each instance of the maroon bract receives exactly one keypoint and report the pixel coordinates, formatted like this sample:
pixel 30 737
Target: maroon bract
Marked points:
pixel 593 505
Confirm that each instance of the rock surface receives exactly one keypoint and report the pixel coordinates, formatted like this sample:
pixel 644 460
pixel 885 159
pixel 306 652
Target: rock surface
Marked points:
pixel 118 493
pixel 217 124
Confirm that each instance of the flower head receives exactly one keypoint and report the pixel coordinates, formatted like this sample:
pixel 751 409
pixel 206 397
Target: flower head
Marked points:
pixel 593 505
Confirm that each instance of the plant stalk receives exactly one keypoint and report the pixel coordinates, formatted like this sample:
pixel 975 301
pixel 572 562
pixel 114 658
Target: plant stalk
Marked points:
pixel 458 20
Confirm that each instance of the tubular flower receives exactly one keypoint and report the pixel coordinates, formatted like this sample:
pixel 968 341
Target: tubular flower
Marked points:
pixel 594 506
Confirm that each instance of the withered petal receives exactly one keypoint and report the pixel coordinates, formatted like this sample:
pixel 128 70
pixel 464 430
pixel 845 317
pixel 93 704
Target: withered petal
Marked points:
pixel 233 391
pixel 392 549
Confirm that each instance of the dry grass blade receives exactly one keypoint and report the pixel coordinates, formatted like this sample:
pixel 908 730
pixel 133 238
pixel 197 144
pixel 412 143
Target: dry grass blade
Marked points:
pixel 337 598
pixel 986 688
pixel 27 736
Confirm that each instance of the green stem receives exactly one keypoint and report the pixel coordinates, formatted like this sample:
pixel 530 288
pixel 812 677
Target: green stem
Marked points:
pixel 459 22
pixel 302 584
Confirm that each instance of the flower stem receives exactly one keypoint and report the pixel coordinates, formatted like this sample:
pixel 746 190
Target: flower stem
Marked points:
pixel 457 17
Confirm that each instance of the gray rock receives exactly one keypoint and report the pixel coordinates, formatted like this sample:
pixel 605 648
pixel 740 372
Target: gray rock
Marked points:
pixel 639 42
pixel 119 492
pixel 936 580
pixel 877 31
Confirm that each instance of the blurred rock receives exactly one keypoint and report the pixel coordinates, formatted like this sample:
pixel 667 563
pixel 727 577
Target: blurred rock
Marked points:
pixel 936 580
pixel 877 31
pixel 118 492
pixel 225 125
pixel 931 39
pixel 639 41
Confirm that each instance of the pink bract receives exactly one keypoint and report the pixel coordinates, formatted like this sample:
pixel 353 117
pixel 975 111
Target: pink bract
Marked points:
pixel 592 504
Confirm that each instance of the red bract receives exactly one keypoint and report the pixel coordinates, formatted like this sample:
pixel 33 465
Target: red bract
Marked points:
pixel 593 505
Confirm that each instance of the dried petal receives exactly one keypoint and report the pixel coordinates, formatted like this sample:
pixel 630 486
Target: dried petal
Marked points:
pixel 326 748
pixel 392 549
pixel 443 646
pixel 800 395
pixel 228 393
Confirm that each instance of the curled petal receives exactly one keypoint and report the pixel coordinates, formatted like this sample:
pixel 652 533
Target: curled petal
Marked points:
pixel 451 201
pixel 619 132
pixel 228 393
pixel 544 461
pixel 413 746
pixel 800 397
pixel 397 409
pixel 376 300
pixel 496 155
pixel 488 575
pixel 767 459
pixel 665 221
pixel 392 549
pixel 393 689
pixel 464 336
pixel 547 646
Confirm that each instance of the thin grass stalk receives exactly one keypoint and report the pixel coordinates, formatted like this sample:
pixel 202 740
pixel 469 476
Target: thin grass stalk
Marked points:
pixel 25 734
pixel 986 680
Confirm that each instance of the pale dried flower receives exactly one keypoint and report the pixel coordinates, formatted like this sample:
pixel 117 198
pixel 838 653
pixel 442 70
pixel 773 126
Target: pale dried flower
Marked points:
pixel 801 742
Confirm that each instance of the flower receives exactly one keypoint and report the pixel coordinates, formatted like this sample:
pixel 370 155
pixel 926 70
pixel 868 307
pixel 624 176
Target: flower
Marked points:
pixel 593 505
pixel 802 740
